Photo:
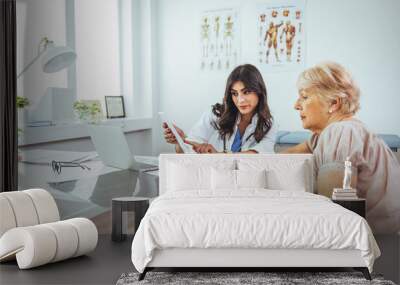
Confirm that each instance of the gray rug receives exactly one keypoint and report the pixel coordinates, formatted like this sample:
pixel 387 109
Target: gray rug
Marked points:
pixel 229 278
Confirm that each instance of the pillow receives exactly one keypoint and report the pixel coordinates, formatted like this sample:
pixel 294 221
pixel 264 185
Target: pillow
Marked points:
pixel 292 178
pixel 183 176
pixel 223 179
pixel 236 179
pixel 251 178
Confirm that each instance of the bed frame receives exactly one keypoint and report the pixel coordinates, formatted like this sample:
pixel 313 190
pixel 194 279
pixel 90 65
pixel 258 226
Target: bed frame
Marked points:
pixel 240 259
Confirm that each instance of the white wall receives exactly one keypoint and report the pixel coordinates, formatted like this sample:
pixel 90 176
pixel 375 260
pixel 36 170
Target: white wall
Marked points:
pixel 361 35
pixel 136 56
pixel 97 47
pixel 166 75
pixel 35 21
pixel 93 26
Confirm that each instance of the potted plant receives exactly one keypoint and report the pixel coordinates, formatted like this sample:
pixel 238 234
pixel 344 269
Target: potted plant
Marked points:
pixel 88 111
pixel 22 102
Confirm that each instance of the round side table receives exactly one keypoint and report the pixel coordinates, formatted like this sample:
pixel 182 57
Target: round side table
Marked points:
pixel 138 205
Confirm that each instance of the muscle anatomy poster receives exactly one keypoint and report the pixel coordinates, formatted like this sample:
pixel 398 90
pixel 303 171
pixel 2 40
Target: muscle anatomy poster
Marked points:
pixel 281 35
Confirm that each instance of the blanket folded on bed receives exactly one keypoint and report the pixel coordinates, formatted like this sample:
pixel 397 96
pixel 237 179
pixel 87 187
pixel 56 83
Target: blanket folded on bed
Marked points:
pixel 252 218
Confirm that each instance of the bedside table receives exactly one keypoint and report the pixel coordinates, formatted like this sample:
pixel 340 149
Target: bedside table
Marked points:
pixel 358 205
pixel 138 205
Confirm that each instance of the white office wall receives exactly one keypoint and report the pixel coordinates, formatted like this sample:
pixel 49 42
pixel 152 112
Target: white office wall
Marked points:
pixel 126 54
pixel 97 47
pixel 96 36
pixel 144 72
pixel 361 35
pixel 35 20
pixel 136 56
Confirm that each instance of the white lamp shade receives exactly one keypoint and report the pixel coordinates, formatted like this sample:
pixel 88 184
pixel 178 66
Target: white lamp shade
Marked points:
pixel 57 58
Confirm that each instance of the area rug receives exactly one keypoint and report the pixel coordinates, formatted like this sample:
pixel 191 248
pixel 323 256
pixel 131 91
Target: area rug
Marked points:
pixel 229 278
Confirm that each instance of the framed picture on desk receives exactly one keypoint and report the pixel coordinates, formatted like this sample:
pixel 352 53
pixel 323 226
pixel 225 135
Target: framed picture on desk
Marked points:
pixel 115 107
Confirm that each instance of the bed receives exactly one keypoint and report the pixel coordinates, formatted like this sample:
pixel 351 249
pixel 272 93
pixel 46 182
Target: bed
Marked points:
pixel 247 211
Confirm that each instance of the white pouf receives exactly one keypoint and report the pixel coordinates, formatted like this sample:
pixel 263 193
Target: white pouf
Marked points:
pixel 31 232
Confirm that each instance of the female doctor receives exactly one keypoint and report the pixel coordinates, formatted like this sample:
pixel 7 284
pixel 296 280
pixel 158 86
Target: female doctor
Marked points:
pixel 241 124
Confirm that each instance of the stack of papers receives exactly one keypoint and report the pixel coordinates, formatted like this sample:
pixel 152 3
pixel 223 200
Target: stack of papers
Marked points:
pixel 344 194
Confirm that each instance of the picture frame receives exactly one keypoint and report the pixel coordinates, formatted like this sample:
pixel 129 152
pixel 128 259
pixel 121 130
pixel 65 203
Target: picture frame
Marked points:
pixel 115 107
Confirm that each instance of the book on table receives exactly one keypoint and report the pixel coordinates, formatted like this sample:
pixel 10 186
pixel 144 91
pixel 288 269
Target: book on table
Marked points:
pixel 344 194
pixel 341 190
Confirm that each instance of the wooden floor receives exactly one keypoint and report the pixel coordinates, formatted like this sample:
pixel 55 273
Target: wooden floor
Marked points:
pixel 103 266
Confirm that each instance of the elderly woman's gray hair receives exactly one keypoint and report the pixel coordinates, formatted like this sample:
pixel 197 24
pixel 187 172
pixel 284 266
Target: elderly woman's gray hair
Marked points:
pixel 330 80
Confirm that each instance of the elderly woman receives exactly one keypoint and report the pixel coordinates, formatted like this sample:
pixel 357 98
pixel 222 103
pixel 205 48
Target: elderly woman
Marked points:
pixel 328 100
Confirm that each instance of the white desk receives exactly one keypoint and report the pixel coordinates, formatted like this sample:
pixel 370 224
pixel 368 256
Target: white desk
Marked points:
pixel 74 130
pixel 82 192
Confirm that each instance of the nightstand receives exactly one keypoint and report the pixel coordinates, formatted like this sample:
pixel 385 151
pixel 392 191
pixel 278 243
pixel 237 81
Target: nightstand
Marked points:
pixel 358 205
pixel 138 205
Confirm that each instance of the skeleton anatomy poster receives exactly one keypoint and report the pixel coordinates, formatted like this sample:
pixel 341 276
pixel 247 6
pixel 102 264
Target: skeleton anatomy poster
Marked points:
pixel 219 39
pixel 281 35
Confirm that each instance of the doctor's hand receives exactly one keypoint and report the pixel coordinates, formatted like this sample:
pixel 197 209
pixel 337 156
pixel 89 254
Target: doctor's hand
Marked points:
pixel 169 136
pixel 202 147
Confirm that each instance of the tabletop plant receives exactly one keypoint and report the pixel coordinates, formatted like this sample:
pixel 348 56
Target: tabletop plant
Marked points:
pixel 88 111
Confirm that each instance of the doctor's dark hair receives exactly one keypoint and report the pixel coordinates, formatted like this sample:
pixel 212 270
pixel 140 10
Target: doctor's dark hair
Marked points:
pixel 227 112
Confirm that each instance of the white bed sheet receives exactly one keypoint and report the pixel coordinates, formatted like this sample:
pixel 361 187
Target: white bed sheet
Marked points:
pixel 251 218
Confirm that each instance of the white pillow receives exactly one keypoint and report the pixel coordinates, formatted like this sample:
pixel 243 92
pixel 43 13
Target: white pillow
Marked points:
pixel 251 178
pixel 287 178
pixel 224 179
pixel 183 176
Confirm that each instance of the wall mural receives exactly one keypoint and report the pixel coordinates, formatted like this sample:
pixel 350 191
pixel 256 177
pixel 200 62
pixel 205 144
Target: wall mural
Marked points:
pixel 219 39
pixel 281 35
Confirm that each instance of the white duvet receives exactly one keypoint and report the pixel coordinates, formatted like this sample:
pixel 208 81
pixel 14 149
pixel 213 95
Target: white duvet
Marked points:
pixel 253 218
